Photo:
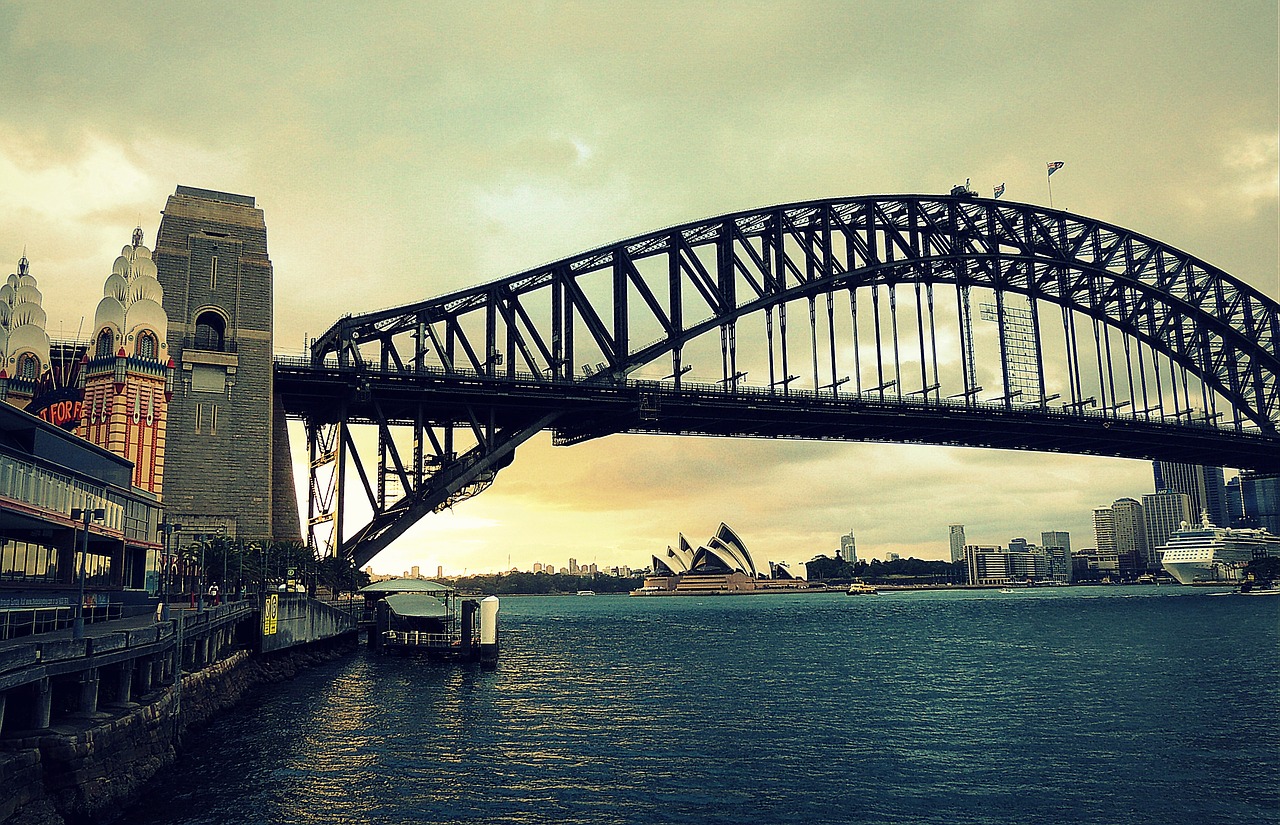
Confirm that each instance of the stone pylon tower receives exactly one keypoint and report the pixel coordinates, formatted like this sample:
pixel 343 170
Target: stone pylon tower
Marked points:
pixel 228 471
pixel 24 344
pixel 128 374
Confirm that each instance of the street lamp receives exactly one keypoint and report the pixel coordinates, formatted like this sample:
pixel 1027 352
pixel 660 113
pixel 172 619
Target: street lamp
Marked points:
pixel 200 586
pixel 83 516
pixel 167 530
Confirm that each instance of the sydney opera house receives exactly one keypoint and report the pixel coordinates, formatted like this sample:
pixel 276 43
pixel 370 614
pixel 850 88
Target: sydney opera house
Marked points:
pixel 722 565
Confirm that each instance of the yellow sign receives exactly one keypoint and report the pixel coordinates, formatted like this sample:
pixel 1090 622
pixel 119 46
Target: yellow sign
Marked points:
pixel 270 614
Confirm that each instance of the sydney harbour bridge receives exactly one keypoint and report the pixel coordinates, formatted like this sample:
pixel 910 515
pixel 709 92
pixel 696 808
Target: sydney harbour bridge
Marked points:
pixel 946 320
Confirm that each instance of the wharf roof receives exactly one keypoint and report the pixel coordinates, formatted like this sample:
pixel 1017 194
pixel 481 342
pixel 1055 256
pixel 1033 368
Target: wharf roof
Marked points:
pixel 407 586
pixel 417 605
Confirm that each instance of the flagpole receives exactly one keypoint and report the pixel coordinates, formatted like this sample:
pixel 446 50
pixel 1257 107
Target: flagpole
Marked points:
pixel 1050 179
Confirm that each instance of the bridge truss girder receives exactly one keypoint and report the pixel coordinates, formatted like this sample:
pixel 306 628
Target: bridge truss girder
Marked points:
pixel 631 304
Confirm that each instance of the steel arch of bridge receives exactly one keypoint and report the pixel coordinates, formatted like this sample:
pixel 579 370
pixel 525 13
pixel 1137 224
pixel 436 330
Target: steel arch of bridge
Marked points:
pixel 500 361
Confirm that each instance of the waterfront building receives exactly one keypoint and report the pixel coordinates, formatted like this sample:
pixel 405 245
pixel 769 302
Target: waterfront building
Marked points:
pixel 1260 494
pixel 1060 568
pixel 1163 513
pixel 45 473
pixel 1021 562
pixel 1092 564
pixel 227 447
pixel 1203 484
pixel 1103 529
pixel 127 374
pixel 957 542
pixel 573 567
pixel 848 548
pixel 1129 531
pixel 986 565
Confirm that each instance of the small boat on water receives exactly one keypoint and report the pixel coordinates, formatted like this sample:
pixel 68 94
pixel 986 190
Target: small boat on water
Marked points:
pixel 1007 590
pixel 861 589
pixel 586 592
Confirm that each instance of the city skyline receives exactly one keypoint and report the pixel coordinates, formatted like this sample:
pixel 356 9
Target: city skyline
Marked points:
pixel 470 145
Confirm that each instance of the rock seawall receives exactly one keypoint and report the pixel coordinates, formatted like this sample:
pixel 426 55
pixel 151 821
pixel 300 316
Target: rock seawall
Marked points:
pixel 67 776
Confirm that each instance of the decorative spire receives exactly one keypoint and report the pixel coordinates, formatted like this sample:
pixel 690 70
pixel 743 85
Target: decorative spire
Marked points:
pixel 24 266
pixel 137 237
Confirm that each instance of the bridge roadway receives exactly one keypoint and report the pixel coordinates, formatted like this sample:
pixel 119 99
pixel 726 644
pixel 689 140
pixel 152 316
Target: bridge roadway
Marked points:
pixel 586 410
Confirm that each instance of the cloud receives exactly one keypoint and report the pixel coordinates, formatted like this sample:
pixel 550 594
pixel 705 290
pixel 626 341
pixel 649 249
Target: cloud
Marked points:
pixel 409 151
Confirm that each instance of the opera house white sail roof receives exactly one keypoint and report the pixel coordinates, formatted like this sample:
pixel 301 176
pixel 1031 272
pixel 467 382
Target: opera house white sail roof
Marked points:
pixel 723 553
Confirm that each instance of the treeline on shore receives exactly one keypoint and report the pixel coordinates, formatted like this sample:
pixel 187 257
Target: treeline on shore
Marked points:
pixel 897 571
pixel 543 584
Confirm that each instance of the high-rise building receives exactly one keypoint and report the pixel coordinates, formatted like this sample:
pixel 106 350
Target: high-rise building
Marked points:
pixel 1056 538
pixel 1261 498
pixel 1203 484
pixel 1163 513
pixel 848 548
pixel 573 567
pixel 1235 504
pixel 957 542
pixel 415 572
pixel 227 446
pixel 1130 531
pixel 1104 534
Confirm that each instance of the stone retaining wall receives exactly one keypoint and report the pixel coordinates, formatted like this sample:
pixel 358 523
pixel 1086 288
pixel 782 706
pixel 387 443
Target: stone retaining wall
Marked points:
pixel 65 776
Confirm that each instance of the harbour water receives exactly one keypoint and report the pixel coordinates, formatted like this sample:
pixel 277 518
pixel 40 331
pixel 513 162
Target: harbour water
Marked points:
pixel 1112 705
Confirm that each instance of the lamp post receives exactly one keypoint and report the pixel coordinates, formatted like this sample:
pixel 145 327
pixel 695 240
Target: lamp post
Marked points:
pixel 166 531
pixel 83 516
pixel 200 585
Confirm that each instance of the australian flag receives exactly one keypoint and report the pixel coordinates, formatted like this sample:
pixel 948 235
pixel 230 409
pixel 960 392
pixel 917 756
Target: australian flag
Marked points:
pixel 999 190
pixel 1055 166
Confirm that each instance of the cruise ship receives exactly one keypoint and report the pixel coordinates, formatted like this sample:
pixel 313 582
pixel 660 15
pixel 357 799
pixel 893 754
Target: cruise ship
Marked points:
pixel 1205 554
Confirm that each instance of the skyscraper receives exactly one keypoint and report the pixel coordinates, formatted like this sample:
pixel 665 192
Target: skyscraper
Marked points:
pixel 1261 497
pixel 1130 531
pixel 1056 538
pixel 848 548
pixel 1204 485
pixel 1104 529
pixel 1163 514
pixel 957 542
pixel 227 468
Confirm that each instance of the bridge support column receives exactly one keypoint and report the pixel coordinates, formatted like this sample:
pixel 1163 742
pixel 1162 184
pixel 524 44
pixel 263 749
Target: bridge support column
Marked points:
pixel 146 668
pixel 3 697
pixel 124 684
pixel 43 710
pixel 88 704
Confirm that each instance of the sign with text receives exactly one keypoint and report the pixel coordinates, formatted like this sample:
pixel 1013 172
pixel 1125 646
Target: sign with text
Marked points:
pixel 270 615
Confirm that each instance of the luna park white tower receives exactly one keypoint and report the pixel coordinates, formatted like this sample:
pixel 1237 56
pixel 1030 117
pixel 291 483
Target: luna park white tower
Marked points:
pixel 128 374
pixel 24 344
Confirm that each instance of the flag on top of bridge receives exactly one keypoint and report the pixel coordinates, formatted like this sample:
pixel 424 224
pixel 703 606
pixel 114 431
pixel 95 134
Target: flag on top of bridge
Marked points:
pixel 999 190
pixel 1055 166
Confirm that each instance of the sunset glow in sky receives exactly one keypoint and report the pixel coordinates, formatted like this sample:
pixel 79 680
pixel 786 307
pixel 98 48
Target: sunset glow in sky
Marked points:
pixel 403 150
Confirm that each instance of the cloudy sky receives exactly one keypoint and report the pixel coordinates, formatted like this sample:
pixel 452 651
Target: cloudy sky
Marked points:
pixel 400 151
